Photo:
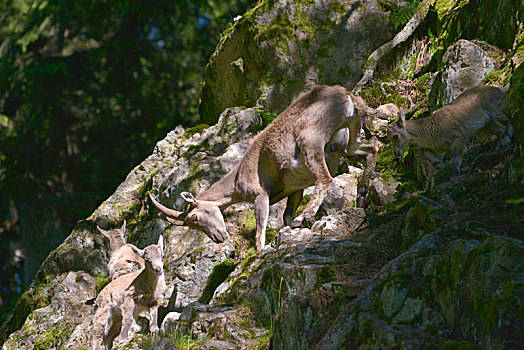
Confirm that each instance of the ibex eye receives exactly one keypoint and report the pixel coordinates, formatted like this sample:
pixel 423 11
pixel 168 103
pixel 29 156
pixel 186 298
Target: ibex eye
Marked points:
pixel 194 217
pixel 395 137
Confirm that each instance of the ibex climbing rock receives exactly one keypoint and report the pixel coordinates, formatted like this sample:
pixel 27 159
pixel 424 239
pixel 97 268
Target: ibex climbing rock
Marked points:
pixel 127 296
pixel 450 128
pixel 123 257
pixel 301 147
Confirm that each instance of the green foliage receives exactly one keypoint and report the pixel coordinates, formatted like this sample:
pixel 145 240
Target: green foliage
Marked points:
pixel 266 117
pixel 326 275
pixel 404 14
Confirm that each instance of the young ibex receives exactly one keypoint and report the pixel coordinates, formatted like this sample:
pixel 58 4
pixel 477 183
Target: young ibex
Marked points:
pixel 450 128
pixel 128 295
pixel 301 147
pixel 123 258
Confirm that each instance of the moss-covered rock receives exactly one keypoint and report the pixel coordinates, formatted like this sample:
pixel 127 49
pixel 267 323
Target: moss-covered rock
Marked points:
pixel 279 49
pixel 514 103
pixel 474 19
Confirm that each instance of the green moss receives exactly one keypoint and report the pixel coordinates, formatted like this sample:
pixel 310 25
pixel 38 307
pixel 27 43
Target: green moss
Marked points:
pixel 326 47
pixel 248 226
pixel 52 338
pixel 194 130
pixel 279 32
pixel 458 345
pixel 326 275
pixel 101 282
pixel 218 275
pixel 199 250
pixel 271 233
pixel 303 204
pixel 305 2
pixel 387 164
pixel 337 7
pixel 380 94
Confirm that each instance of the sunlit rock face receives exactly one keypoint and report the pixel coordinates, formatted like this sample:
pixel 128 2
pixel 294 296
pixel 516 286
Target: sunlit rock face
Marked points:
pixel 440 269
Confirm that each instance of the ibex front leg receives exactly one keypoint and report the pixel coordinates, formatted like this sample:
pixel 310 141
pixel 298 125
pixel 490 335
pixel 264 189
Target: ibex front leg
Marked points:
pixel 314 159
pixel 369 152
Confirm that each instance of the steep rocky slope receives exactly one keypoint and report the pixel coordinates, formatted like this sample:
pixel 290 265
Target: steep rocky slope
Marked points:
pixel 436 269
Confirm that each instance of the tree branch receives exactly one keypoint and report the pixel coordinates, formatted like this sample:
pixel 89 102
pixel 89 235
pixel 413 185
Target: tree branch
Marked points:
pixel 420 15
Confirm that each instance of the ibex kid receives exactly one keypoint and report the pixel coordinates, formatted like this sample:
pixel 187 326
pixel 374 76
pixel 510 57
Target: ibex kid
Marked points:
pixel 127 296
pixel 123 258
pixel 450 128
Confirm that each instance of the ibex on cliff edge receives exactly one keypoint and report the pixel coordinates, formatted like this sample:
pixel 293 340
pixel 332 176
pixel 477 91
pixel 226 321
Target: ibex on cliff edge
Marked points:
pixel 123 256
pixel 452 126
pixel 128 295
pixel 301 147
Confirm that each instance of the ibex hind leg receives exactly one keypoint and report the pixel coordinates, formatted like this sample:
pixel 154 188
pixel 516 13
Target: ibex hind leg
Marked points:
pixel 128 309
pixel 313 152
pixel 293 202
pixel 501 127
pixel 261 207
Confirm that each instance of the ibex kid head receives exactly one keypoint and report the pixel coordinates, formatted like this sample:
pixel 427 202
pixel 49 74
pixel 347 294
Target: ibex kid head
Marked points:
pixel 153 255
pixel 398 135
pixel 204 216
pixel 115 236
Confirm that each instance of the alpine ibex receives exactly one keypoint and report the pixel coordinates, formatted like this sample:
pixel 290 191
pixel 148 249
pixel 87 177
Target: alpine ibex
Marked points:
pixel 128 295
pixel 123 258
pixel 301 147
pixel 450 128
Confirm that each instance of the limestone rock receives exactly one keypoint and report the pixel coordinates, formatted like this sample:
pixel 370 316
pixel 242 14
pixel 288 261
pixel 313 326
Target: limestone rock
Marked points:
pixel 382 191
pixel 465 64
pixel 342 193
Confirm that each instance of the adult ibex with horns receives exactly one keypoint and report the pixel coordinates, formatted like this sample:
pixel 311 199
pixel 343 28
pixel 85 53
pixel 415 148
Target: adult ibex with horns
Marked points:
pixel 301 147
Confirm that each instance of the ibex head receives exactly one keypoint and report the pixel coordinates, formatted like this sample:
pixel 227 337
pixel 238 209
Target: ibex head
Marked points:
pixel 153 255
pixel 398 135
pixel 204 216
pixel 115 236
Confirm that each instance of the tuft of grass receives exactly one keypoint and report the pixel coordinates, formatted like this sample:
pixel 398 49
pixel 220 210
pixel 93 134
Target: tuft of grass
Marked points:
pixel 182 341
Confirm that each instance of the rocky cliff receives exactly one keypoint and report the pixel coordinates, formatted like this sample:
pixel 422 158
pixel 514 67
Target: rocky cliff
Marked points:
pixel 437 269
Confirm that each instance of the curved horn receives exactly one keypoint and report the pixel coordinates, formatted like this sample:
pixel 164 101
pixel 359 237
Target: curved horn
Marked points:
pixel 174 214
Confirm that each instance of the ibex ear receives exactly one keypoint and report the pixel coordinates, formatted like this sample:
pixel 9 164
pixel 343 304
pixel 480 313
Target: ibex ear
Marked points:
pixel 188 197
pixel 161 242
pixel 402 119
pixel 123 228
pixel 137 250
pixel 102 231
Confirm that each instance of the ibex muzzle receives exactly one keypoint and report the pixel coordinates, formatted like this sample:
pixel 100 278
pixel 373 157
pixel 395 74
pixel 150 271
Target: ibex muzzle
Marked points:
pixel 398 135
